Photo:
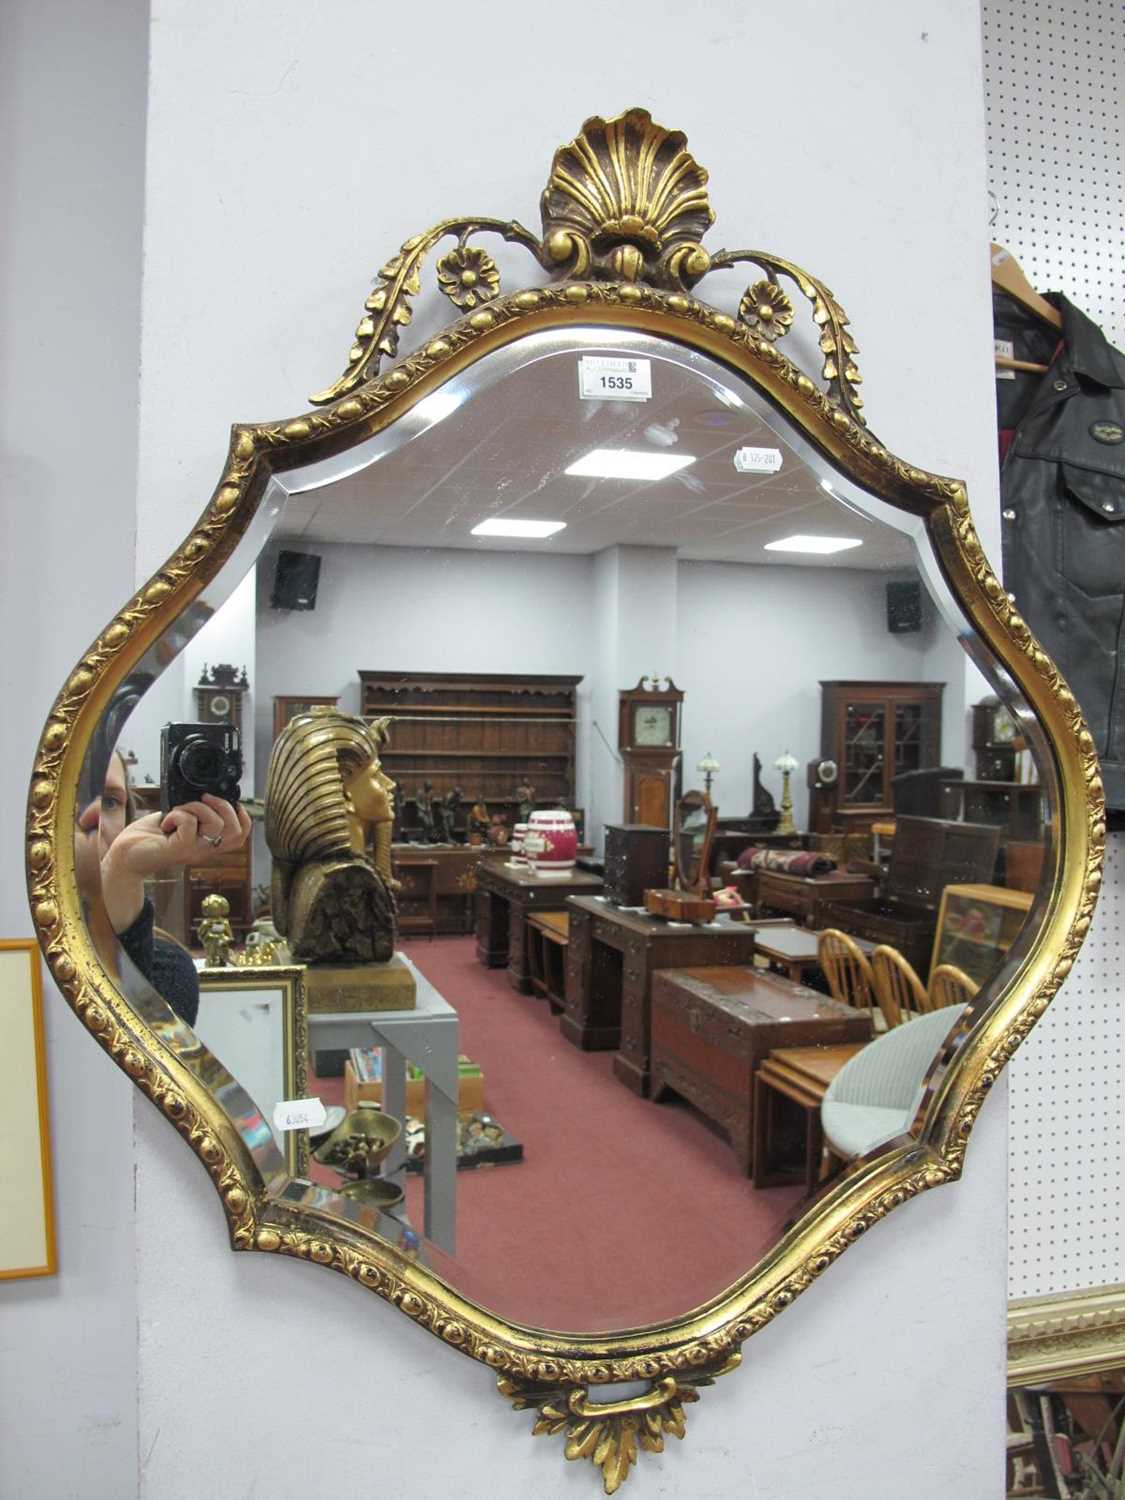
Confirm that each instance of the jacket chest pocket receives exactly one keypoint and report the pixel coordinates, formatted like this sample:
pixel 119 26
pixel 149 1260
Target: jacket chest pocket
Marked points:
pixel 1092 529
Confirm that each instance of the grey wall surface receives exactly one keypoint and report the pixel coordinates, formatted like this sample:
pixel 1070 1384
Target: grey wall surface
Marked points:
pixel 72 115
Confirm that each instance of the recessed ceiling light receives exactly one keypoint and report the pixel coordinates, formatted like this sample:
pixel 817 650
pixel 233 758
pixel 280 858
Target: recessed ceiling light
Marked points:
pixel 813 544
pixel 626 463
pixel 518 528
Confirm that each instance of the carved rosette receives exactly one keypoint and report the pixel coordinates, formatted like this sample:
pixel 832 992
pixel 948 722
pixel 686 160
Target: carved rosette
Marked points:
pixel 627 201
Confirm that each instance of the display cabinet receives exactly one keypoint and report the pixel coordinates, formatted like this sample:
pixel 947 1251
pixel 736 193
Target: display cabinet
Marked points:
pixel 873 731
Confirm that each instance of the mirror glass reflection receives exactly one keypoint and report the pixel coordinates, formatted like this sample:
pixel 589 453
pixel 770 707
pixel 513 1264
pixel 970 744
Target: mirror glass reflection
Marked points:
pixel 470 667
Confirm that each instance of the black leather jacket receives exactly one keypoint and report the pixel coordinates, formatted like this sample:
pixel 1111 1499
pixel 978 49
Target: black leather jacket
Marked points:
pixel 1063 504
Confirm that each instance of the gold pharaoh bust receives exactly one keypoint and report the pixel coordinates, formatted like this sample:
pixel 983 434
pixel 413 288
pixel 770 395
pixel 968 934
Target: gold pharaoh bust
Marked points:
pixel 329 811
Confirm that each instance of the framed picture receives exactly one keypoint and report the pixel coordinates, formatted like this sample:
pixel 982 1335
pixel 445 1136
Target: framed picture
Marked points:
pixel 27 1224
pixel 977 925
pixel 255 1021
pixel 286 708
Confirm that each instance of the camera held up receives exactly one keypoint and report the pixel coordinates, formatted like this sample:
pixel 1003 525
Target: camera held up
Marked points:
pixel 199 758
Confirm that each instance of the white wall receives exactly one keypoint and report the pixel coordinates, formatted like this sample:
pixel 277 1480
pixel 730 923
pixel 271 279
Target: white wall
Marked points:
pixel 290 151
pixel 749 645
pixel 755 643
pixel 72 110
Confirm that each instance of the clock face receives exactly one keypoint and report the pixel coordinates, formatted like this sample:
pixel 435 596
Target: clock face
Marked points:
pixel 1003 727
pixel 652 724
pixel 218 706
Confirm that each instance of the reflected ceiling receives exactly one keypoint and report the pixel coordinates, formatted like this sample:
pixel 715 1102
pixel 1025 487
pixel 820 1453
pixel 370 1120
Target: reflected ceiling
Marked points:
pixel 467 467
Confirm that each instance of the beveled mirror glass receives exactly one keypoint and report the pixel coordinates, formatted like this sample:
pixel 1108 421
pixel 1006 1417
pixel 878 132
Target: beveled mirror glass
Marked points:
pixel 569 487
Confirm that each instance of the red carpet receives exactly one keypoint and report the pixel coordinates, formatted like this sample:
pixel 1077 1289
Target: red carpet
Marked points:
pixel 622 1212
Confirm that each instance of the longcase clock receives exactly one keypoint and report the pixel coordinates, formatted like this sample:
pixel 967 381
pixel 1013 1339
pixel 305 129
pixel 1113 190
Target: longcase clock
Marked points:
pixel 648 736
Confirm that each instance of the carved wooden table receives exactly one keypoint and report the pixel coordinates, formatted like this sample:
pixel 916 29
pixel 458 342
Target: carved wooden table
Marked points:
pixel 610 960
pixel 712 1029
pixel 506 896
pixel 792 950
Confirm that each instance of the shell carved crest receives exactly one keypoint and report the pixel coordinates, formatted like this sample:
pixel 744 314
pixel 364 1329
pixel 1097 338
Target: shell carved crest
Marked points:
pixel 626 200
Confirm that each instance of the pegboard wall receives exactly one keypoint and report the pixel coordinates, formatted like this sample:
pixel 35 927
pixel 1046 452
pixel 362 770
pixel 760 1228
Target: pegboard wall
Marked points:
pixel 1054 89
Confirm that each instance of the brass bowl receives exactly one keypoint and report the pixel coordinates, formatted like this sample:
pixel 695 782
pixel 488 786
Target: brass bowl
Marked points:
pixel 360 1141
pixel 376 1192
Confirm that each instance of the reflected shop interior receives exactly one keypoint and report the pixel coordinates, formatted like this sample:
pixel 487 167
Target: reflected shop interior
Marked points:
pixel 626 817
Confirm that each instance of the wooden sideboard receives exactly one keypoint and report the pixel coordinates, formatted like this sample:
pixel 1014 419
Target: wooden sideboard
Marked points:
pixel 803 897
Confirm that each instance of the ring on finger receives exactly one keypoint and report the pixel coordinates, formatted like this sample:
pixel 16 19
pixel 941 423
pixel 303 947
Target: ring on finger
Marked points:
pixel 214 842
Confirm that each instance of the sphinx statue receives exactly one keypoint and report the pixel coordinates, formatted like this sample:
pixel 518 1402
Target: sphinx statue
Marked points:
pixel 329 819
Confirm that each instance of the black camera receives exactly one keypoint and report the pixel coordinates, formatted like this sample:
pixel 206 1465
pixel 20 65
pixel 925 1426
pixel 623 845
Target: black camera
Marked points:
pixel 198 758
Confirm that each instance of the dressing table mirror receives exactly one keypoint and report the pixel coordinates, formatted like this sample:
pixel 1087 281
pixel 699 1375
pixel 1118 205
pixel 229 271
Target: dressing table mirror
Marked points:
pixel 609 466
pixel 694 831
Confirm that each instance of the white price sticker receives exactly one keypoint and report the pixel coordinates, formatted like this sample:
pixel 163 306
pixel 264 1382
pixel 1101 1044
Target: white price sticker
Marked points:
pixel 758 460
pixel 299 1114
pixel 602 377
pixel 1004 349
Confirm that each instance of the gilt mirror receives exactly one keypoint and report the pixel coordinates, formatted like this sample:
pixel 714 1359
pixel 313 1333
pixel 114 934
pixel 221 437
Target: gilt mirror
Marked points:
pixel 435 584
pixel 693 830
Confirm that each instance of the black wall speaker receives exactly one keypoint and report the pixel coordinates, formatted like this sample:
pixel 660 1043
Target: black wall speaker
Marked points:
pixel 295 581
pixel 904 607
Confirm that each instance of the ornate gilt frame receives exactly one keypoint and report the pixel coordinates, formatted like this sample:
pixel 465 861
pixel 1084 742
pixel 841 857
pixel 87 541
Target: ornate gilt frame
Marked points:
pixel 623 215
pixel 1074 1333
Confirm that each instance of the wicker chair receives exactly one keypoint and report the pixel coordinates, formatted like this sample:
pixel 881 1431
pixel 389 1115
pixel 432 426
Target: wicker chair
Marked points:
pixel 899 991
pixel 950 985
pixel 847 971
pixel 875 1096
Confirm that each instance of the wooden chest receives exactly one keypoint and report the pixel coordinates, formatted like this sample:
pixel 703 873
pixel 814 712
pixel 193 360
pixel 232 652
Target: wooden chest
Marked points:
pixel 713 1027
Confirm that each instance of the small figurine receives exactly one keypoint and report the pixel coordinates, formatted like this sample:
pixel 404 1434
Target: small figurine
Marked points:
pixel 424 802
pixel 525 796
pixel 215 931
pixel 478 823
pixel 498 831
pixel 448 809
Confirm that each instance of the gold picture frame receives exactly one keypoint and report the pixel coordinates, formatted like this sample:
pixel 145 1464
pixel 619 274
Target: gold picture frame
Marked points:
pixel 27 1226
pixel 1066 1335
pixel 623 215
pixel 289 981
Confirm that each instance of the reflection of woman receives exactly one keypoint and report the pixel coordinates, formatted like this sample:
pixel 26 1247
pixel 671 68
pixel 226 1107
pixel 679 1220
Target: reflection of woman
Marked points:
pixel 326 794
pixel 115 852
